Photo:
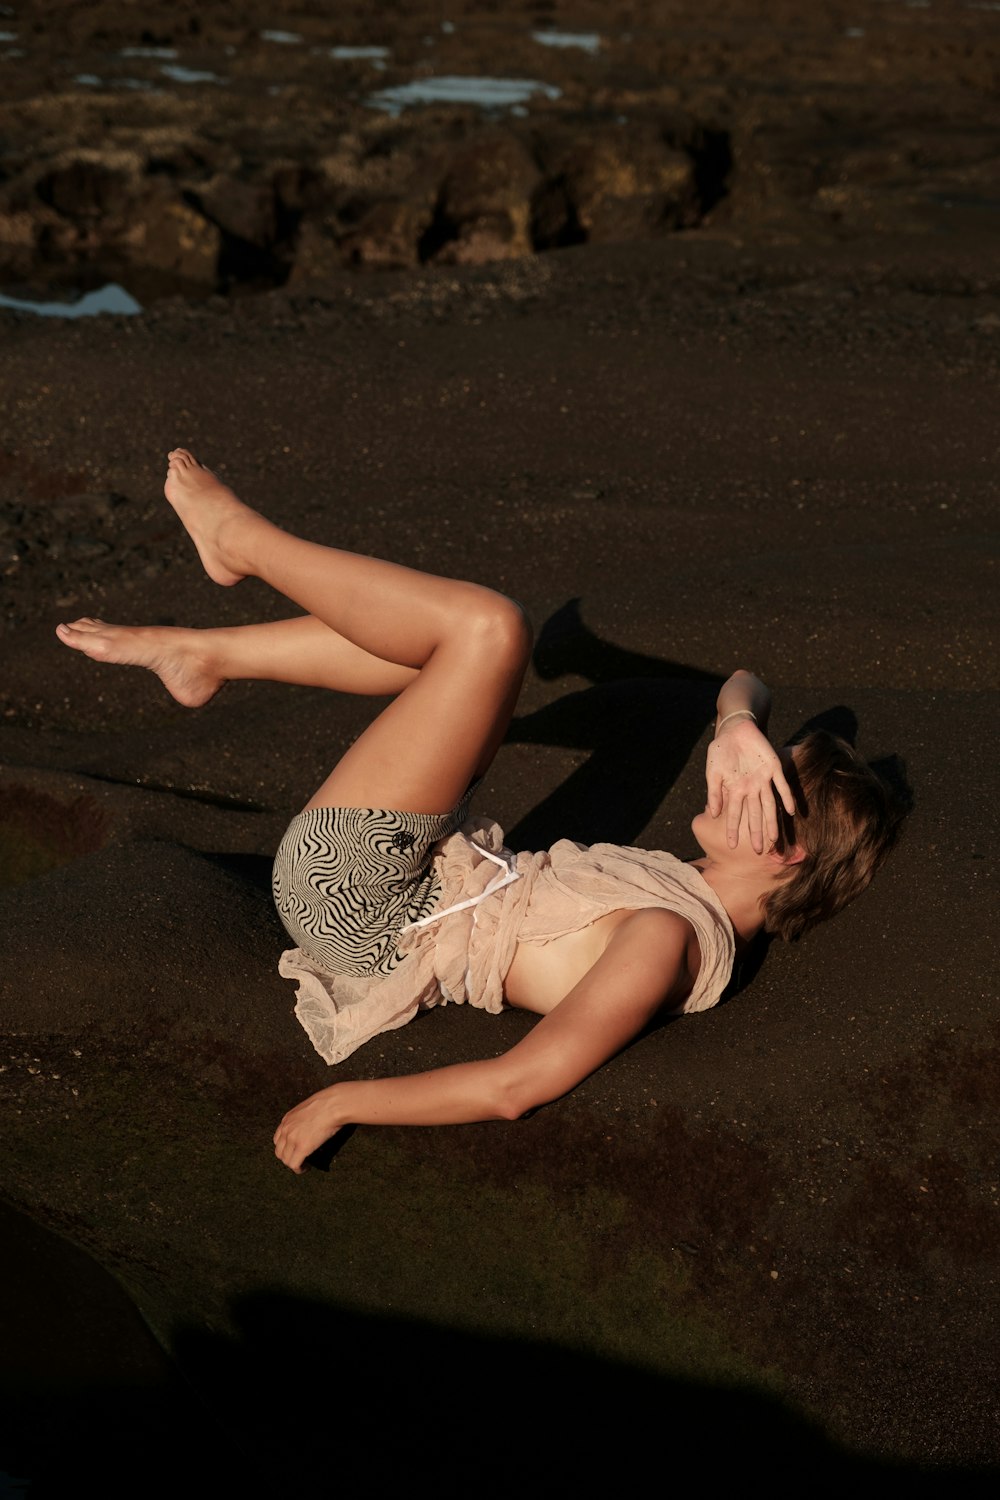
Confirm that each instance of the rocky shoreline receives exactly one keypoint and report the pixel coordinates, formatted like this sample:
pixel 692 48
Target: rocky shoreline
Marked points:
pixel 194 150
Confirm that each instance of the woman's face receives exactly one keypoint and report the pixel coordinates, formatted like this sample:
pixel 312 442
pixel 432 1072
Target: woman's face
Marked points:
pixel 711 832
pixel 711 836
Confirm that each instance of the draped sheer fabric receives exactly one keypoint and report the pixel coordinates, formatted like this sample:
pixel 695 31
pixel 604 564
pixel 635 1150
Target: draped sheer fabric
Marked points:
pixel 462 955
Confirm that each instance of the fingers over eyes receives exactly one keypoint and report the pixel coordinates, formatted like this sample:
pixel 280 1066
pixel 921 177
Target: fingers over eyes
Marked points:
pixel 734 810
pixel 784 791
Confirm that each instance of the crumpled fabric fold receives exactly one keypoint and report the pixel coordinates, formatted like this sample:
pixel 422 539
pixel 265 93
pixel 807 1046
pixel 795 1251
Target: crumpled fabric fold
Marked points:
pixel 464 957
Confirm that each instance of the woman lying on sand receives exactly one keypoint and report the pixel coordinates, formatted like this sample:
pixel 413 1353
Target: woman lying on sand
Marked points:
pixel 393 908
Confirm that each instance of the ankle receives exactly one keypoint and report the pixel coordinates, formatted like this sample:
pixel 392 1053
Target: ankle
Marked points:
pixel 205 652
pixel 243 541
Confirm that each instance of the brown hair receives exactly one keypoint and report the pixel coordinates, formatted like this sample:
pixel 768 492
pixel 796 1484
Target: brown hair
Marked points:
pixel 848 819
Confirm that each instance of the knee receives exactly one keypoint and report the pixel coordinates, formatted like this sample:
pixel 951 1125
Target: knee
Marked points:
pixel 514 627
pixel 502 629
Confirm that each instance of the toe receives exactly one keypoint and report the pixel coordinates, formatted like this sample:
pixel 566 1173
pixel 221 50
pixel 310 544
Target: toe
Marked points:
pixel 69 635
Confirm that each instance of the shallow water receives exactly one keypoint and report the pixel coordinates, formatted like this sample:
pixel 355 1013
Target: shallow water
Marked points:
pixel 106 299
pixel 357 54
pixel 174 71
pixel 487 93
pixel 587 41
pixel 189 75
pixel 162 52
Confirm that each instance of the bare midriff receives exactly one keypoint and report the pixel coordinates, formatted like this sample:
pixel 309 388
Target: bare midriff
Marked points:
pixel 542 974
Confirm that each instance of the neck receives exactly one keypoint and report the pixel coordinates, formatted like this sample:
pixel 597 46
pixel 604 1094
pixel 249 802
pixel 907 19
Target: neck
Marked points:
pixel 740 894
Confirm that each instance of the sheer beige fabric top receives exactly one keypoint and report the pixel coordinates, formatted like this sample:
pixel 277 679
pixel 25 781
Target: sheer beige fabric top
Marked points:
pixel 463 954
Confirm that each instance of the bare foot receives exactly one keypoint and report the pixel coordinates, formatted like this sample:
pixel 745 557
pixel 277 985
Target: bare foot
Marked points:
pixel 172 654
pixel 207 508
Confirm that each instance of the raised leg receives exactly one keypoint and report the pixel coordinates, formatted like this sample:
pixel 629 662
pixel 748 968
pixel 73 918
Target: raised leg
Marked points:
pixel 194 664
pixel 464 647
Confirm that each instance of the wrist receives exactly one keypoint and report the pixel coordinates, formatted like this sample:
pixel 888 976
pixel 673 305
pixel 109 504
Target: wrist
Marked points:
pixel 736 716
pixel 333 1106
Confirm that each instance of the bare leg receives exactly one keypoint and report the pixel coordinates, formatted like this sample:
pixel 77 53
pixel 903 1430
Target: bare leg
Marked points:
pixel 465 646
pixel 194 664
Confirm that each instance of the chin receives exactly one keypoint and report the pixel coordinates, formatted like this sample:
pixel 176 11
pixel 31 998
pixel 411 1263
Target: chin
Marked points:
pixel 700 825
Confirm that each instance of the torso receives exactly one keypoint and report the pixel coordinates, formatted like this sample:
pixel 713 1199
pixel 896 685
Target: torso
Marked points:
pixel 542 974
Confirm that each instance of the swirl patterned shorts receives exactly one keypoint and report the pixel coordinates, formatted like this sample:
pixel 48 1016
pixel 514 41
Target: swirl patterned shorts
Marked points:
pixel 346 879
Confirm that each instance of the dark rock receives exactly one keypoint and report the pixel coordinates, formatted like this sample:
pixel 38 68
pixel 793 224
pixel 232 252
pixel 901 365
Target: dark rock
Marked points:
pixel 554 220
pixel 489 176
pixel 246 210
pixel 18 229
pixel 492 237
pixel 90 185
pixel 627 184
pixel 177 152
pixel 19 233
pixel 167 234
pixel 484 212
pixel 296 188
pixel 388 236
pixel 317 253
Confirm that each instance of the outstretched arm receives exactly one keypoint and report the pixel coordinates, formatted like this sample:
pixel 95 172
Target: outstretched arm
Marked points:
pixel 743 769
pixel 644 964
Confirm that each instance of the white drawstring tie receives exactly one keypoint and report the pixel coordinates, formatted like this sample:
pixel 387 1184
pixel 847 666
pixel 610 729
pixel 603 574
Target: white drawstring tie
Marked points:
pixel 507 877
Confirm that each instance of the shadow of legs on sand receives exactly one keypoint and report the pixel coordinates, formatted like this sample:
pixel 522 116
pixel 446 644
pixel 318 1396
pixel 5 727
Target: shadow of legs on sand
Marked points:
pixel 640 720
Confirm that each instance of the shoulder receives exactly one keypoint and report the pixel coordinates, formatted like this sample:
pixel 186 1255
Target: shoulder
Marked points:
pixel 653 937
pixel 657 924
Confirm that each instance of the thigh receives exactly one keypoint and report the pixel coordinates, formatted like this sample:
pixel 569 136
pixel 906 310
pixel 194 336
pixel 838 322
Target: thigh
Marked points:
pixel 442 731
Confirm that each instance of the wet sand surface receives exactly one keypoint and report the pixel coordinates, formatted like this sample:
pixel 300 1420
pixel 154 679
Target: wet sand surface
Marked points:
pixel 774 1224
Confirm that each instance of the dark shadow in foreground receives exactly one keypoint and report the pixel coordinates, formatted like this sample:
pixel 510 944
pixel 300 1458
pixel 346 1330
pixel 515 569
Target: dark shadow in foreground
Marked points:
pixel 308 1398
pixel 89 1402
pixel 314 1401
pixel 364 1405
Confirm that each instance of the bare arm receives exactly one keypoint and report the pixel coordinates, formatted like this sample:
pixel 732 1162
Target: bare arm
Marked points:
pixel 644 964
pixel 743 769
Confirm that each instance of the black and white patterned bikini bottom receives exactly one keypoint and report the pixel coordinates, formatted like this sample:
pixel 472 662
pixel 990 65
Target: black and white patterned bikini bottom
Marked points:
pixel 347 879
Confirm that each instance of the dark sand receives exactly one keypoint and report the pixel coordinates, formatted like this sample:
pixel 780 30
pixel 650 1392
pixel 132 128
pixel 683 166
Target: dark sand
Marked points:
pixel 763 1239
